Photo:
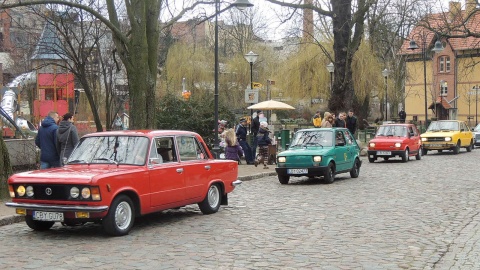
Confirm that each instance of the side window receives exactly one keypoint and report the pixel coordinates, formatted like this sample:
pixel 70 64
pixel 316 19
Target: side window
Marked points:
pixel 348 138
pixel 190 149
pixel 410 131
pixel 339 139
pixel 154 157
pixel 165 149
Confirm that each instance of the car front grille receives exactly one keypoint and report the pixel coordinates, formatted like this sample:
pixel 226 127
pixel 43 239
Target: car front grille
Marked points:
pixel 47 192
pixel 477 137
pixel 436 139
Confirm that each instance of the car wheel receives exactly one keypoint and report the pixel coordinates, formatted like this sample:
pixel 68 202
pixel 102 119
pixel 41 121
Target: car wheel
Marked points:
pixel 355 171
pixel 120 218
pixel 405 155
pixel 385 158
pixel 469 148
pixel 424 151
pixel 456 149
pixel 330 174
pixel 212 200
pixel 283 179
pixel 418 156
pixel 439 151
pixel 371 159
pixel 38 225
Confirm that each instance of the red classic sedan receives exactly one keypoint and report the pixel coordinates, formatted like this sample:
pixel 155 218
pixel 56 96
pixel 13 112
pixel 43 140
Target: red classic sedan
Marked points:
pixel 113 177
pixel 392 140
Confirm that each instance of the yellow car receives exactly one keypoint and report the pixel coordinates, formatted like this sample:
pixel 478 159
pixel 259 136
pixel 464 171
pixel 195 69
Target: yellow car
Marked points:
pixel 447 135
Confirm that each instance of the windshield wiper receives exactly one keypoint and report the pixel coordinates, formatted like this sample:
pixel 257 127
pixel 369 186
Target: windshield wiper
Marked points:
pixel 78 161
pixel 312 143
pixel 106 159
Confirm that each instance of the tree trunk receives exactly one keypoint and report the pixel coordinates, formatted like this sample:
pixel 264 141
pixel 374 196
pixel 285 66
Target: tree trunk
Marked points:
pixel 5 168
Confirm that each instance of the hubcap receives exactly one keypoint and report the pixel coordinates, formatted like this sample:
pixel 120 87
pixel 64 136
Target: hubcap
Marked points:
pixel 123 215
pixel 213 196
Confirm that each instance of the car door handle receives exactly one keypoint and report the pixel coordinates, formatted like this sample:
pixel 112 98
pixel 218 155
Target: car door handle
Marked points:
pixel 207 167
pixel 180 170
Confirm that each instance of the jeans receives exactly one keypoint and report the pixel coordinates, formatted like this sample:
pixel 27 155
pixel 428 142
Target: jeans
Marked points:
pixel 247 150
pixel 51 164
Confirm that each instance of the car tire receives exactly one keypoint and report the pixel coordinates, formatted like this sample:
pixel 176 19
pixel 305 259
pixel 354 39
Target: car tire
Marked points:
pixel 456 149
pixel 212 200
pixel 329 177
pixel 439 151
pixel 283 179
pixel 469 148
pixel 418 156
pixel 120 217
pixel 386 158
pixel 424 151
pixel 371 159
pixel 38 225
pixel 355 171
pixel 405 155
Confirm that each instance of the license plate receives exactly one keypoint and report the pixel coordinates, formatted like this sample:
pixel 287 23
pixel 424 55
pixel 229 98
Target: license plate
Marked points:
pixel 47 216
pixel 297 171
pixel 435 145
pixel 384 153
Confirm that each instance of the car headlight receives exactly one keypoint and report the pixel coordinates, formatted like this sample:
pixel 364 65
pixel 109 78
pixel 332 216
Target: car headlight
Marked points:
pixel 21 191
pixel 317 159
pixel 282 159
pixel 448 139
pixel 398 144
pixel 85 192
pixel 424 140
pixel 372 144
pixel 30 191
pixel 74 192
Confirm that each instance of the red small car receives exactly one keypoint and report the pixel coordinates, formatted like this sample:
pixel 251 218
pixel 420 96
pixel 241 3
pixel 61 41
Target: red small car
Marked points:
pixel 114 177
pixel 395 140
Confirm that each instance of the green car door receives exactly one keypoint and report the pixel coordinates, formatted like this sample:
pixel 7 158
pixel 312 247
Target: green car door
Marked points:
pixel 342 152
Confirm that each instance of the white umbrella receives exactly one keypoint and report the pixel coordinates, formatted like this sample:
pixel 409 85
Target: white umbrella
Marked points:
pixel 271 105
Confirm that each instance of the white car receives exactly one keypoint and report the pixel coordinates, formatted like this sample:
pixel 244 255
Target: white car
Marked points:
pixel 476 136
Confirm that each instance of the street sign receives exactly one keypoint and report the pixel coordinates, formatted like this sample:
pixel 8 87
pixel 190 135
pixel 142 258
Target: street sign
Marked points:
pixel 251 96
pixel 257 85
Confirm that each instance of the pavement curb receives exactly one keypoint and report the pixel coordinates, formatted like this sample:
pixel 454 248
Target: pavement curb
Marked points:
pixel 11 219
pixel 256 176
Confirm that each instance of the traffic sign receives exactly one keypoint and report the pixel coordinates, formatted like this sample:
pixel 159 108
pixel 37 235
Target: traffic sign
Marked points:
pixel 257 85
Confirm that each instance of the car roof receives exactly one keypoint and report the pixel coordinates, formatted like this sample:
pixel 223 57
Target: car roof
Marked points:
pixel 323 129
pixel 398 124
pixel 147 133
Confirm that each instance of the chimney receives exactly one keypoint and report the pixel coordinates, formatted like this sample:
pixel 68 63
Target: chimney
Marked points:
pixel 470 7
pixel 454 9
pixel 308 22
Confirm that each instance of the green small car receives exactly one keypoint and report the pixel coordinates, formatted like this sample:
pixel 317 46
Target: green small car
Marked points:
pixel 319 152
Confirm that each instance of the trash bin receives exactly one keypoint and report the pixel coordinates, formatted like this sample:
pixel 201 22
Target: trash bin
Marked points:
pixel 285 138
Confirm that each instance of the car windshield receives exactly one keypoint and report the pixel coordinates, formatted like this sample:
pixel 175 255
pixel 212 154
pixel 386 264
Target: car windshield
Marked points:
pixel 313 138
pixel 477 128
pixel 392 130
pixel 443 125
pixel 111 149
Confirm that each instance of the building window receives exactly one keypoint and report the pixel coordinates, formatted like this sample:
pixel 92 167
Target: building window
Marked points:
pixel 443 90
pixel 444 64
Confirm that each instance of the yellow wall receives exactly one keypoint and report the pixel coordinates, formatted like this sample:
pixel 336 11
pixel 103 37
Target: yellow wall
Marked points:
pixel 415 90
pixel 468 77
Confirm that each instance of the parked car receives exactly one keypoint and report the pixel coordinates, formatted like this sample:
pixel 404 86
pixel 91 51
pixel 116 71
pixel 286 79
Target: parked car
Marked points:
pixel 476 136
pixel 114 177
pixel 395 140
pixel 319 152
pixel 447 135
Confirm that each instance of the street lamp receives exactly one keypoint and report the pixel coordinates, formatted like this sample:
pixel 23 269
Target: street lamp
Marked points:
pixel 476 88
pixel 331 68
pixel 241 5
pixel 438 48
pixel 251 58
pixel 385 73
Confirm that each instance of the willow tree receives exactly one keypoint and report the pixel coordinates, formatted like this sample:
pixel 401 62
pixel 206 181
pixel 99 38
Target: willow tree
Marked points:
pixel 135 33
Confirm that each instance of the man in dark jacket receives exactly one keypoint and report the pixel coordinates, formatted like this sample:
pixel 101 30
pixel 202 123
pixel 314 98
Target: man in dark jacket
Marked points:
pixel 46 140
pixel 67 137
pixel 402 115
pixel 254 130
pixel 241 132
pixel 340 121
pixel 351 122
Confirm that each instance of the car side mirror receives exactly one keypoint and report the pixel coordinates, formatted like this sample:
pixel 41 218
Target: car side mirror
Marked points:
pixel 155 161
pixel 286 146
pixel 462 130
pixel 412 134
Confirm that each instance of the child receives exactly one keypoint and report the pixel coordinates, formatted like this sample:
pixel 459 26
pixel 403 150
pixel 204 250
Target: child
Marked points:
pixel 233 150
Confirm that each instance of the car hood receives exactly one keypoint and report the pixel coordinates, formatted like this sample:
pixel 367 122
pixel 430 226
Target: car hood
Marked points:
pixel 306 151
pixel 79 174
pixel 389 139
pixel 438 134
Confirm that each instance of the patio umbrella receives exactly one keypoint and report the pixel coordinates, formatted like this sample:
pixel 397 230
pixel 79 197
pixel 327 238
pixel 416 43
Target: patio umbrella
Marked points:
pixel 271 105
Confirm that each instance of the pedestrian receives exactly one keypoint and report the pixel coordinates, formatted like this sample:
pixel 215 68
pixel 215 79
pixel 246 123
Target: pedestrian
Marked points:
pixel 67 137
pixel 325 120
pixel 402 115
pixel 340 121
pixel 351 122
pixel 233 150
pixel 254 130
pixel 46 140
pixel 317 120
pixel 241 133
pixel 263 142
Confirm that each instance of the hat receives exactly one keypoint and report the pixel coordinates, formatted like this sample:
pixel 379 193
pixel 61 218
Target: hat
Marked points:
pixel 263 124
pixel 243 120
pixel 259 111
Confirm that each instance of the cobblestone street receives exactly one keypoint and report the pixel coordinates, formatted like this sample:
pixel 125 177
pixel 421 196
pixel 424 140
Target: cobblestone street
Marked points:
pixel 416 215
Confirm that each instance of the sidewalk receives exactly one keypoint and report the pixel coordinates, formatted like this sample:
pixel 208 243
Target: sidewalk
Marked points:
pixel 245 173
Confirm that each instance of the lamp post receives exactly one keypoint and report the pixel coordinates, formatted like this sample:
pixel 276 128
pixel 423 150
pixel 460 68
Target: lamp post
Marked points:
pixel 241 5
pixel 476 88
pixel 385 73
pixel 251 58
pixel 331 68
pixel 438 48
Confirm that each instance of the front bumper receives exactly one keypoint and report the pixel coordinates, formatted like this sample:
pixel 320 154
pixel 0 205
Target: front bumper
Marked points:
pixel 395 153
pixel 438 145
pixel 313 171
pixel 58 207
